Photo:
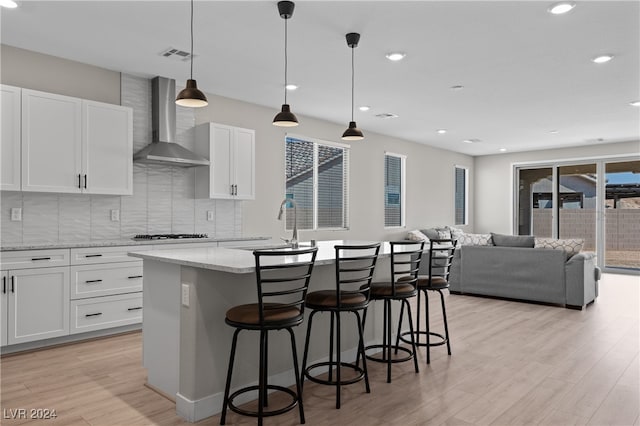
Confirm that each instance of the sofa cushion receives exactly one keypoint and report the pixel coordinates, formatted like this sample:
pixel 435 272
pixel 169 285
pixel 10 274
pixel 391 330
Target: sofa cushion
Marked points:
pixel 416 235
pixel 571 246
pixel 475 240
pixel 456 233
pixel 437 233
pixel 513 240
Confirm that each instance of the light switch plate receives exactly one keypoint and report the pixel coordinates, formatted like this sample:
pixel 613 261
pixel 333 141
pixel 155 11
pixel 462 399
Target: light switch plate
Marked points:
pixel 115 215
pixel 16 214
pixel 210 215
pixel 185 295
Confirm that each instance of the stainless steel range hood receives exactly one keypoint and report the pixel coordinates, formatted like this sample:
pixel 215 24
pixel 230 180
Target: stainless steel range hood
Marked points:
pixel 163 149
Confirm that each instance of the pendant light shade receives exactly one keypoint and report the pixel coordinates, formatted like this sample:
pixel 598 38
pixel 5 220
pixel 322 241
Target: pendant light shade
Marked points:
pixel 352 133
pixel 285 118
pixel 190 96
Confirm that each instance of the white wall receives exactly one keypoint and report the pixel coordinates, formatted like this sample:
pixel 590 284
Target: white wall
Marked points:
pixel 430 174
pixel 494 179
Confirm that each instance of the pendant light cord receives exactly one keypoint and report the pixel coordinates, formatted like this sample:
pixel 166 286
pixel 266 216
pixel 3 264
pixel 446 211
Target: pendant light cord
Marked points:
pixel 353 72
pixel 285 60
pixel 191 39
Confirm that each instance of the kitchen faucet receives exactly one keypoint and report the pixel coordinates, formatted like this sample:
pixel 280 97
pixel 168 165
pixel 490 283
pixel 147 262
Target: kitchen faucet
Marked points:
pixel 294 238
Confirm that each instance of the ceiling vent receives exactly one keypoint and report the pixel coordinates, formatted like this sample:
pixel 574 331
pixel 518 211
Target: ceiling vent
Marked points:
pixel 176 54
pixel 386 115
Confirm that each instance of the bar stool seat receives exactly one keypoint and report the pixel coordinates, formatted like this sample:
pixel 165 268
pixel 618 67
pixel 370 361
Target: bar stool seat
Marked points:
pixel 285 285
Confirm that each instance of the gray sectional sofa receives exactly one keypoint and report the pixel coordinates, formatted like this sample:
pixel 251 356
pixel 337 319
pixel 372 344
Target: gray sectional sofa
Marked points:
pixel 531 274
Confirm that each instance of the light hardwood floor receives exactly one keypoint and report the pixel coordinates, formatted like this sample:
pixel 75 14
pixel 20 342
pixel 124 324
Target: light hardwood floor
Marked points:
pixel 512 364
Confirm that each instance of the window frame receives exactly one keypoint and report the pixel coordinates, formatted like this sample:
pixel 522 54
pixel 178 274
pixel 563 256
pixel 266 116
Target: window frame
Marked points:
pixel 347 177
pixel 403 189
pixel 466 195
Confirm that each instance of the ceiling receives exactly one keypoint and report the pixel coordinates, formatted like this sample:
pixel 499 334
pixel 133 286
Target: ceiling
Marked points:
pixel 526 73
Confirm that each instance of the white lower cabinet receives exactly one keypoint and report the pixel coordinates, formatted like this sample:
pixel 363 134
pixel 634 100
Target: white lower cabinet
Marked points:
pixel 98 313
pixel 37 304
pixel 105 279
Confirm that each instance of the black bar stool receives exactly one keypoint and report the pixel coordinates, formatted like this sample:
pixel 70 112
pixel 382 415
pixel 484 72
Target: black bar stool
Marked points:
pixel 405 262
pixel 354 271
pixel 282 288
pixel 440 258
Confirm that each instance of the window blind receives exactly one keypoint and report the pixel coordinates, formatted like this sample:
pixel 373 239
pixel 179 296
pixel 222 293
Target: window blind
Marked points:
pixel 392 190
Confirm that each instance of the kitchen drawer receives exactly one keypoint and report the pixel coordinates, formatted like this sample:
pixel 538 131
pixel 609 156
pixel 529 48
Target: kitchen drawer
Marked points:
pixel 105 279
pixel 92 255
pixel 105 312
pixel 24 259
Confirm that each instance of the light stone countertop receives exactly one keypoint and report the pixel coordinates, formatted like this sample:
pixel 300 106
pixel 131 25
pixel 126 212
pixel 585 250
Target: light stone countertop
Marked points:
pixel 117 243
pixel 241 260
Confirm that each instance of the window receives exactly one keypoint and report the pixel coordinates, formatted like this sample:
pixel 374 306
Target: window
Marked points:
pixel 461 187
pixel 317 179
pixel 394 182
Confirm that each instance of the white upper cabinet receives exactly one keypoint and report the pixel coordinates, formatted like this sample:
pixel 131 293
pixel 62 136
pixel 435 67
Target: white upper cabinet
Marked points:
pixel 72 145
pixel 231 151
pixel 10 143
pixel 107 136
pixel 51 142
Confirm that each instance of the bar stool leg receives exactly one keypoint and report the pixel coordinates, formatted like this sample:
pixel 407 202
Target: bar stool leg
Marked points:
pixel 446 326
pixel 388 347
pixel 338 384
pixel 417 339
pixel 399 328
pixel 306 349
pixel 296 372
pixel 426 315
pixel 361 351
pixel 331 328
pixel 225 401
pixel 413 343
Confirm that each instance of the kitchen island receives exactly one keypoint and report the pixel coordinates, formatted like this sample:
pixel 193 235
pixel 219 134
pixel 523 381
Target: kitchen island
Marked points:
pixel 186 343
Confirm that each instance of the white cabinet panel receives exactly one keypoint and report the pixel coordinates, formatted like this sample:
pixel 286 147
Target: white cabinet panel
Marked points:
pixel 105 312
pixel 24 259
pixel 105 279
pixel 38 304
pixel 51 142
pixel 90 255
pixel 10 143
pixel 107 148
pixel 231 151
pixel 4 296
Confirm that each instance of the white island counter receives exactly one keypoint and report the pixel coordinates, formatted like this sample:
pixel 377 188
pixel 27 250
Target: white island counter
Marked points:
pixel 186 343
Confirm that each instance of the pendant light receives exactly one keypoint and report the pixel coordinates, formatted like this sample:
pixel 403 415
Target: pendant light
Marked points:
pixel 285 118
pixel 190 96
pixel 352 133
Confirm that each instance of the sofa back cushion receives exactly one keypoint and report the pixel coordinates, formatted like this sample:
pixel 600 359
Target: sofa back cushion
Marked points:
pixel 571 246
pixel 513 240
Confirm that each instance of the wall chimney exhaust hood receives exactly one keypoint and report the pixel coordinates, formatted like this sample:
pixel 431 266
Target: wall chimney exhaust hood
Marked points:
pixel 163 149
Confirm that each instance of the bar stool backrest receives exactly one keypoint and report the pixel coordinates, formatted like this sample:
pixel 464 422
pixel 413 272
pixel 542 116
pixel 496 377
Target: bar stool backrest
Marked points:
pixel 440 258
pixel 354 269
pixel 405 263
pixel 283 285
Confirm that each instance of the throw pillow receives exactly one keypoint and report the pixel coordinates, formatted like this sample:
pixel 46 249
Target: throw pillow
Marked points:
pixel 431 233
pixel 475 240
pixel 513 240
pixel 417 236
pixel 456 233
pixel 571 246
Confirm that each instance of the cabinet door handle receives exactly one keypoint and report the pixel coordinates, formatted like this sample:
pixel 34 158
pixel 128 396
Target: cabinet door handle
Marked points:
pixel 97 314
pixel 92 255
pixel 93 281
pixel 13 283
pixel 134 276
pixel 85 181
pixel 79 181
pixel 4 285
pixel 40 258
pixel 135 309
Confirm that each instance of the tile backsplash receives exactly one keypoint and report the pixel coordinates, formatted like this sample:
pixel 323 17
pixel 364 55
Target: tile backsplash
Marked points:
pixel 163 199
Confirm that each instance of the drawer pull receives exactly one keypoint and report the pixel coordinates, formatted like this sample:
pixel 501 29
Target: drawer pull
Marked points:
pixel 13 284
pixel 93 281
pixel 93 315
pixel 4 285
pixel 92 255
pixel 40 258
pixel 135 309
pixel 134 276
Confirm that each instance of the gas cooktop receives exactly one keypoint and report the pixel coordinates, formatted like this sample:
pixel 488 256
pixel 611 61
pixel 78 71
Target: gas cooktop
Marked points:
pixel 168 236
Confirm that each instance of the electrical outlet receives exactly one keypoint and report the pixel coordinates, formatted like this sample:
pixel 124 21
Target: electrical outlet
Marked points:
pixel 16 214
pixel 115 215
pixel 210 215
pixel 185 295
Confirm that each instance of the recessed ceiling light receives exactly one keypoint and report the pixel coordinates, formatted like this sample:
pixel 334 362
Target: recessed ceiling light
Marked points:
pixel 562 7
pixel 395 56
pixel 291 86
pixel 364 108
pixel 471 140
pixel 387 115
pixel 457 87
pixel 635 103
pixel 602 59
pixel 553 132
pixel 10 4
pixel 503 150
pixel 441 131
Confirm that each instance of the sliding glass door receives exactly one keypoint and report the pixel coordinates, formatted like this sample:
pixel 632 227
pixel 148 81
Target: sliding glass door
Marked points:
pixel 598 201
